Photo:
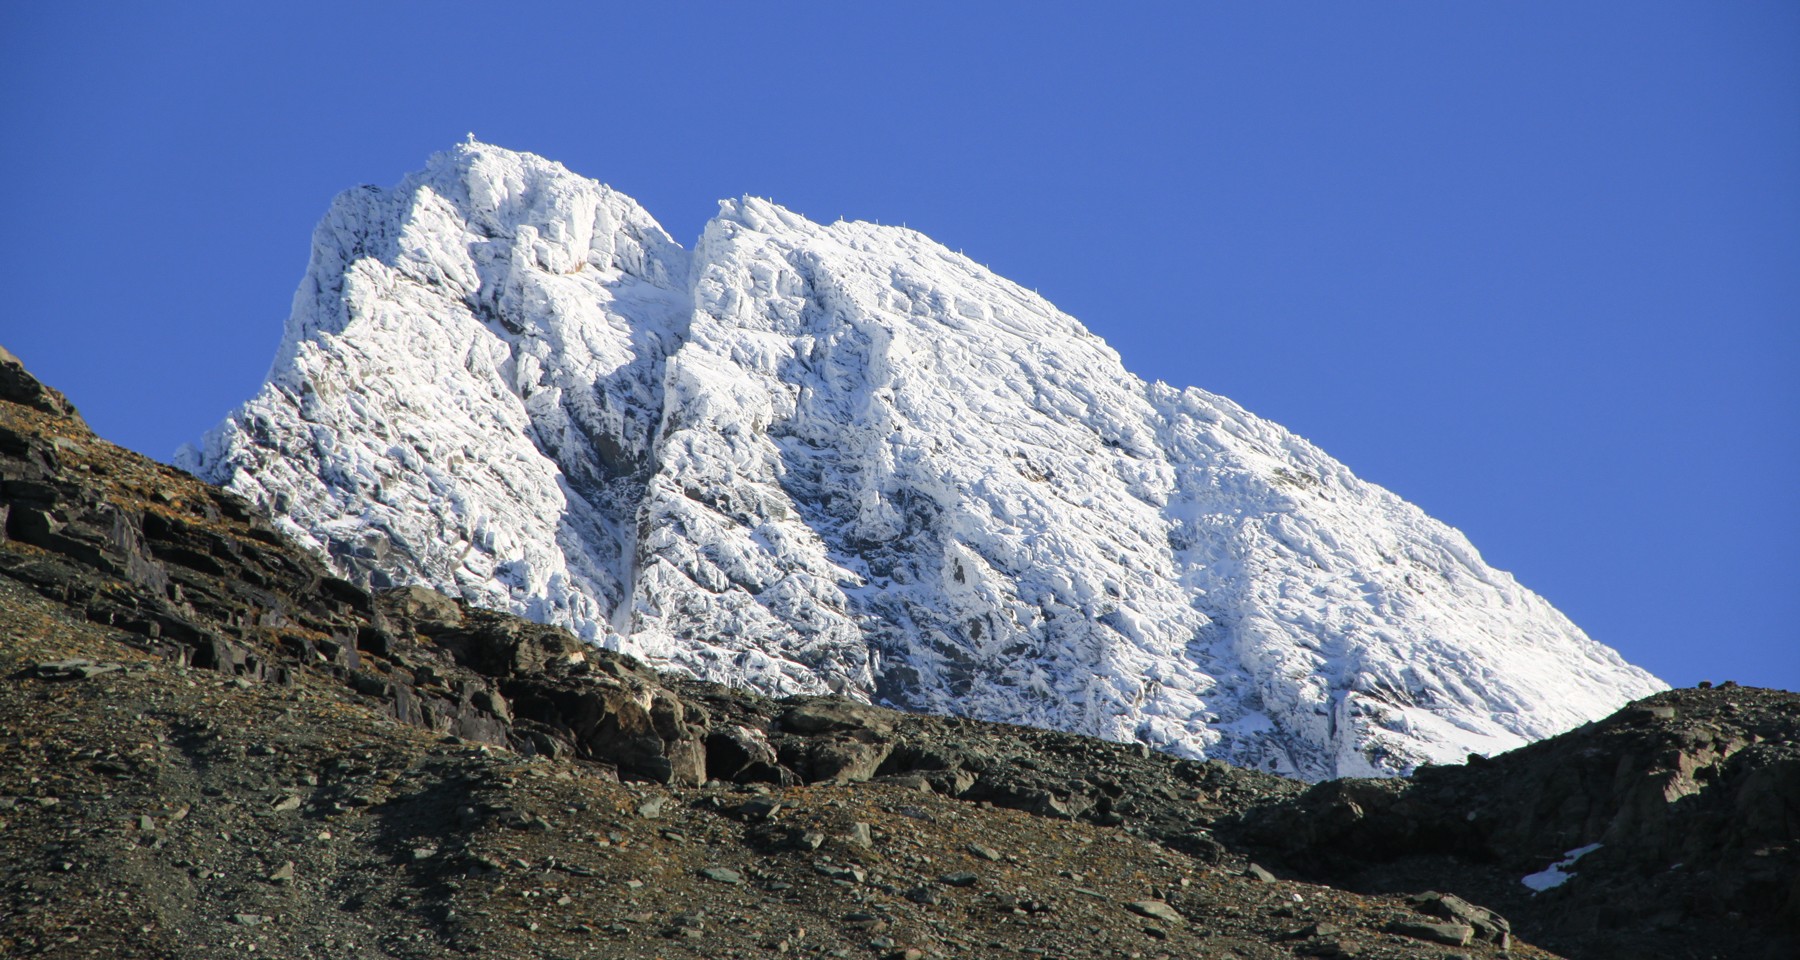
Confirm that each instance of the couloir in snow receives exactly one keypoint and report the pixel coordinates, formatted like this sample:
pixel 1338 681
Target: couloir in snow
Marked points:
pixel 842 458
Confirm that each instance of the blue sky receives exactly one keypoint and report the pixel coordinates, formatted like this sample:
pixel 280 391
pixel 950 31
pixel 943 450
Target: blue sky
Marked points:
pixel 1534 266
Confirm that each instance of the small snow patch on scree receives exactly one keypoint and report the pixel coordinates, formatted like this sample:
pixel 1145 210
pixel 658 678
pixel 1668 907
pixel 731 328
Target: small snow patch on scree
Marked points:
pixel 1555 875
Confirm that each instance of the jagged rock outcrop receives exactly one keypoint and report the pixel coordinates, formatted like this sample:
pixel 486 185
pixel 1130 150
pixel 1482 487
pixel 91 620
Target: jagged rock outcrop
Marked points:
pixel 1673 825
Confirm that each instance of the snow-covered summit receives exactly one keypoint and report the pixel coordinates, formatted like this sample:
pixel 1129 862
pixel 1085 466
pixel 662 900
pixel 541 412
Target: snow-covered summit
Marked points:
pixel 843 458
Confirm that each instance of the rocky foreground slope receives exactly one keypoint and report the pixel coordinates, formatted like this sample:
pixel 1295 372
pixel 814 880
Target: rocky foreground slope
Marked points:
pixel 840 458
pixel 211 746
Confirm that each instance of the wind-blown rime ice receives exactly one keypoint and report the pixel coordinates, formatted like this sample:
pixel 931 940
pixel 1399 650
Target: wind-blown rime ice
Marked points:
pixel 843 458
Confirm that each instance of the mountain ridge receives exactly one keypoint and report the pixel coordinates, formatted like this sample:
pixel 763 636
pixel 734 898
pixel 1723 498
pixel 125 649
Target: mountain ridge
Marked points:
pixel 214 745
pixel 841 458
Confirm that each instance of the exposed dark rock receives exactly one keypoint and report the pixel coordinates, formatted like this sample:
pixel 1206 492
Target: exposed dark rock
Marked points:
pixel 1487 924
pixel 1691 796
pixel 422 608
pixel 19 386
pixel 1452 934
pixel 833 716
pixel 742 755
pixel 72 670
pixel 131 580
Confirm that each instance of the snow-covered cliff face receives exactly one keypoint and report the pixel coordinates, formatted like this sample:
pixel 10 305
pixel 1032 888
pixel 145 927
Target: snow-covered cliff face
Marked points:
pixel 843 458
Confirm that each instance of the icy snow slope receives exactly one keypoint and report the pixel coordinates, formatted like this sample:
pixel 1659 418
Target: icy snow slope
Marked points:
pixel 808 458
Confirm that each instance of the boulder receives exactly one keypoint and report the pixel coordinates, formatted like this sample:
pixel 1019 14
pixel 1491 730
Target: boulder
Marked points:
pixel 740 755
pixel 500 646
pixel 423 607
pixel 1449 934
pixel 1487 924
pixel 827 716
pixel 838 759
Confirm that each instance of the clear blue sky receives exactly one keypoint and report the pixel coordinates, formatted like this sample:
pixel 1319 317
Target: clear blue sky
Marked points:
pixel 1534 266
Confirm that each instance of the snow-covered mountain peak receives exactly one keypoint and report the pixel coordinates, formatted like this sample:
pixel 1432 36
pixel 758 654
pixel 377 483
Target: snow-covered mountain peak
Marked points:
pixel 844 458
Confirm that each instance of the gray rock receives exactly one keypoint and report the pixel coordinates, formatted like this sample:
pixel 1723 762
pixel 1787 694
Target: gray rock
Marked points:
pixel 841 759
pixel 828 716
pixel 1256 872
pixel 21 387
pixel 652 808
pixel 722 875
pixel 1451 934
pixel 963 879
pixel 73 669
pixel 835 872
pixel 866 922
pixel 423 606
pixel 759 808
pixel 1488 925
pixel 984 852
pixel 928 896
pixel 737 753
pixel 1155 910
pixel 505 647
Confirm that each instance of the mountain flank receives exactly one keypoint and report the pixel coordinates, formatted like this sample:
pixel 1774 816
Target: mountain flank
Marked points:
pixel 210 745
pixel 808 458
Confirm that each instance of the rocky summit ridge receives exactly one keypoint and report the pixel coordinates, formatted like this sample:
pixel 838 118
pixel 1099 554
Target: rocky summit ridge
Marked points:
pixel 213 746
pixel 842 459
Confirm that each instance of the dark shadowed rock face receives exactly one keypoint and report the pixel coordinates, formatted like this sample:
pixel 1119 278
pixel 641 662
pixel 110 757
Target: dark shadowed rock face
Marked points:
pixel 408 726
pixel 1686 803
pixel 17 385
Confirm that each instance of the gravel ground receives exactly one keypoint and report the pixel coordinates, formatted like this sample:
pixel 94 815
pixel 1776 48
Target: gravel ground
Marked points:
pixel 159 810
